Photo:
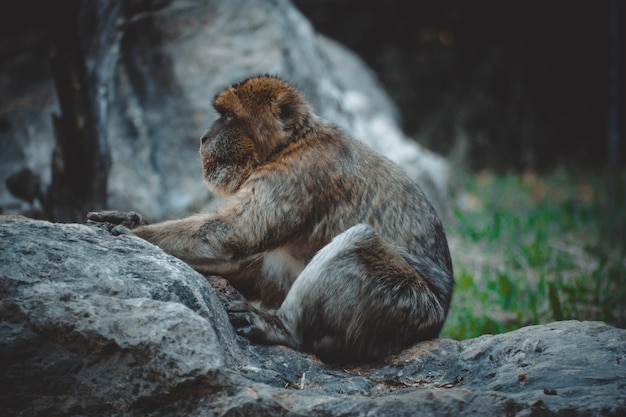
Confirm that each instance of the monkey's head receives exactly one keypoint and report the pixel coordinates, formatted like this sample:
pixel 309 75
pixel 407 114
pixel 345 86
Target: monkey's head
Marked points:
pixel 258 117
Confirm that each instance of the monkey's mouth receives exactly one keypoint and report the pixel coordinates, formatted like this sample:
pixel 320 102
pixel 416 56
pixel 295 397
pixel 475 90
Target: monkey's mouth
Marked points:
pixel 209 162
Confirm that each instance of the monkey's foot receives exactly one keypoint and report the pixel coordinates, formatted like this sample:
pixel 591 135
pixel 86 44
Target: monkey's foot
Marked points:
pixel 128 219
pixel 257 326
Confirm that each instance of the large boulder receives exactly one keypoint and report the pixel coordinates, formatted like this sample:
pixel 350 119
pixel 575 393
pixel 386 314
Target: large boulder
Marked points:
pixel 92 324
pixel 152 70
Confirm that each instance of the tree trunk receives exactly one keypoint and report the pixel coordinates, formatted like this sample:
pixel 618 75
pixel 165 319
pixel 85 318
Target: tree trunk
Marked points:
pixel 80 163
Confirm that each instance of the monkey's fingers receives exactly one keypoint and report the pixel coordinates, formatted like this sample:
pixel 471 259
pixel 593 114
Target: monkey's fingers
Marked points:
pixel 246 324
pixel 106 226
pixel 253 334
pixel 114 229
pixel 108 216
pixel 130 219
pixel 121 230
pixel 239 311
pixel 240 319
pixel 243 318
pixel 259 327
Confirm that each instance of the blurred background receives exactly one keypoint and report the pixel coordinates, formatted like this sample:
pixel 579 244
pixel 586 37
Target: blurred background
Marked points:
pixel 510 114
pixel 510 85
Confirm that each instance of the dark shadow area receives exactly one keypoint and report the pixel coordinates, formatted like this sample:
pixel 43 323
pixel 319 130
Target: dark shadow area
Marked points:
pixel 504 85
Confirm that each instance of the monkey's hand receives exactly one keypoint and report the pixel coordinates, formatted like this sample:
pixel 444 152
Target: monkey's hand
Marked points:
pixel 129 219
pixel 116 222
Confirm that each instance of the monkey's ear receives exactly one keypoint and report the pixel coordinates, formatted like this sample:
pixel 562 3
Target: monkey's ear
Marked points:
pixel 292 110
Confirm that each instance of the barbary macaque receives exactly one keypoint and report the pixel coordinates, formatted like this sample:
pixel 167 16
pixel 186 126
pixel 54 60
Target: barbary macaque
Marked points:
pixel 342 250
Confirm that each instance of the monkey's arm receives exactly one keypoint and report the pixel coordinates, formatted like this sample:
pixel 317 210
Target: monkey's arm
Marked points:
pixel 248 223
pixel 181 238
pixel 185 238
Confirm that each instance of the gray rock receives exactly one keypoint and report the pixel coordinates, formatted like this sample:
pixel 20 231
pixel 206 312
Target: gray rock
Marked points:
pixel 153 69
pixel 92 324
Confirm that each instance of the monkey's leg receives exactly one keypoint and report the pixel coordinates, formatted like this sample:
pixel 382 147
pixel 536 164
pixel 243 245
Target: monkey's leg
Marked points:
pixel 358 299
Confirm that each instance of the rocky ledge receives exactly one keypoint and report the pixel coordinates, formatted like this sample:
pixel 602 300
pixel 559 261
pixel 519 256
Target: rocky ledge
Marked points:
pixel 93 324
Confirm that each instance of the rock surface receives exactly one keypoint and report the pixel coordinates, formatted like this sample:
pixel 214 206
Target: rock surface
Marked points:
pixel 93 324
pixel 153 69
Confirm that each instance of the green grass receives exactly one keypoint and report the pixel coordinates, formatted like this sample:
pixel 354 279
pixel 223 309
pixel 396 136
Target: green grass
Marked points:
pixel 529 249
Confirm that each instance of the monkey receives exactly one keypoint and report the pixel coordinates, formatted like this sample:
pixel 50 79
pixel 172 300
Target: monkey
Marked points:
pixel 340 248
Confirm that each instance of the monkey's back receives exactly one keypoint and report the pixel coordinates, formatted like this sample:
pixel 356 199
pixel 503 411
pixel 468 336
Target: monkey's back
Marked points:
pixel 343 182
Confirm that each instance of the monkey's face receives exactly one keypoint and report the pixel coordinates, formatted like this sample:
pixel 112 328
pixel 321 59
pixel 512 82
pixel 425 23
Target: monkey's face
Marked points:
pixel 257 119
pixel 228 154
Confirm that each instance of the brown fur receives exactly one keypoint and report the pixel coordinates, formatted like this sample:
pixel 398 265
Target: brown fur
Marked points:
pixel 315 224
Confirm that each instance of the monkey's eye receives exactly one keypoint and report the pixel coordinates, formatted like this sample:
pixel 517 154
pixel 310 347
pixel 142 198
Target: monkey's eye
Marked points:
pixel 228 117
